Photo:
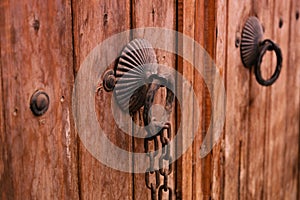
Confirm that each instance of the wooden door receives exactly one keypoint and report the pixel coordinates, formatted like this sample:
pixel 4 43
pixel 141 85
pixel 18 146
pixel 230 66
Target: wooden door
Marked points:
pixel 43 46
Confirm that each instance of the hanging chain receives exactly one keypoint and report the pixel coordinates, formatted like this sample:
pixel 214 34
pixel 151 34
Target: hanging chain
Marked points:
pixel 162 131
pixel 165 156
pixel 165 137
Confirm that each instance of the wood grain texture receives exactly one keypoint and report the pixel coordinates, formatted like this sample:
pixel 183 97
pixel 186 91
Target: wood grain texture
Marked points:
pixel 237 108
pixel 94 22
pixel 278 106
pixel 185 25
pixel 209 45
pixel 38 155
pixel 258 114
pixel 220 59
pixel 256 166
pixel 200 90
pixel 43 44
pixel 292 131
pixel 195 176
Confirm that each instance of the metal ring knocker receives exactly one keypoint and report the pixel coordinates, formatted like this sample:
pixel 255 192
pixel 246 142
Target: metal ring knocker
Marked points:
pixel 137 77
pixel 253 50
pixel 270 46
pixel 154 127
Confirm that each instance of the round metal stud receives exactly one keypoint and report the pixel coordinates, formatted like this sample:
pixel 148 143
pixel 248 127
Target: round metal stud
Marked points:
pixel 252 34
pixel 39 103
pixel 109 80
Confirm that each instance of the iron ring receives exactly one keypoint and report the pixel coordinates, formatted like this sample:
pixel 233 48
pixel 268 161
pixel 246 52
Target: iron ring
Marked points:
pixel 270 46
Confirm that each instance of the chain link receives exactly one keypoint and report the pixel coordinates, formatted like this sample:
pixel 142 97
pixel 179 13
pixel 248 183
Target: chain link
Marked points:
pixel 165 156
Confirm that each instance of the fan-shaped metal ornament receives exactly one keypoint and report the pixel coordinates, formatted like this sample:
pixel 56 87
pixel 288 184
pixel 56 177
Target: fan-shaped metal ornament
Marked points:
pixel 252 35
pixel 136 64
pixel 253 50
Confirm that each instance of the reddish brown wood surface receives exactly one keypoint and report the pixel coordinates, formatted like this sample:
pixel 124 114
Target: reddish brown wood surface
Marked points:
pixel 38 154
pixel 197 19
pixel 237 92
pixel 94 22
pixel 221 42
pixel 291 175
pixel 255 142
pixel 258 115
pixel 42 46
pixel 185 163
pixel 277 97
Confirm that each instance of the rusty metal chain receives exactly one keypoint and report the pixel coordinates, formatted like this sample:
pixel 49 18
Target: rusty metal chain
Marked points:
pixel 163 171
pixel 152 154
pixel 163 131
pixel 165 156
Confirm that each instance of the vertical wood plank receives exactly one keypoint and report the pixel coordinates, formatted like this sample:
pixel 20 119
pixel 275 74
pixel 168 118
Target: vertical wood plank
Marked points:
pixel 237 90
pixel 258 157
pixel 209 46
pixel 185 25
pixel 7 188
pixel 38 154
pixel 258 113
pixel 278 106
pixel 221 47
pixel 200 89
pixel 196 175
pixel 153 14
pixel 291 149
pixel 94 22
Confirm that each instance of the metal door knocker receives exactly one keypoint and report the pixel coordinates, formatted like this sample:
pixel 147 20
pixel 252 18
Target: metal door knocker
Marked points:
pixel 135 81
pixel 253 49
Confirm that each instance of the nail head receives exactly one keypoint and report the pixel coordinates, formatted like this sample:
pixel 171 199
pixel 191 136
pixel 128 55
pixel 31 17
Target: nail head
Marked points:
pixel 39 103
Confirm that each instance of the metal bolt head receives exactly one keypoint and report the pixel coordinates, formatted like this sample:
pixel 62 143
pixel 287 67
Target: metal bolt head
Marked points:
pixel 39 103
pixel 237 41
pixel 109 80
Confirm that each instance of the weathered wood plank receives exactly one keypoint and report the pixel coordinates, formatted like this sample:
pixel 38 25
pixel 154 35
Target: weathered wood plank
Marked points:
pixel 220 59
pixel 7 188
pixel 42 158
pixel 278 104
pixel 38 153
pixel 153 14
pixel 258 114
pixel 94 22
pixel 237 108
pixel 195 174
pixel 291 149
pixel 185 24
pixel 200 89
pixel 209 45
